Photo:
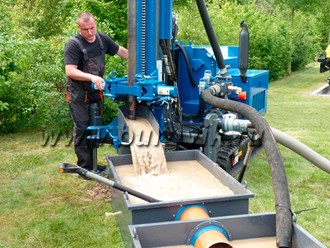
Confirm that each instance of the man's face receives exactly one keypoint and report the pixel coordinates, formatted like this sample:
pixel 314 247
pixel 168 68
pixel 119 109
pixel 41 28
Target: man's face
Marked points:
pixel 87 30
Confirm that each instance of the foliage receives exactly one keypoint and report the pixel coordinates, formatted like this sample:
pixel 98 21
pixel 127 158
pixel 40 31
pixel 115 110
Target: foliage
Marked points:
pixel 274 42
pixel 322 19
pixel 32 80
pixel 305 35
pixel 33 34
pixel 32 84
pixel 306 43
pixel 269 48
pixel 295 5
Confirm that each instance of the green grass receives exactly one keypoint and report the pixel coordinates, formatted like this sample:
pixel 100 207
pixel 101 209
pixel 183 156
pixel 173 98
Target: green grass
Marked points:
pixel 40 207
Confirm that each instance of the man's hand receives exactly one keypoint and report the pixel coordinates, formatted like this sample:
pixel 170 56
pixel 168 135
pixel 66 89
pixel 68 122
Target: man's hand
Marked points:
pixel 72 72
pixel 98 82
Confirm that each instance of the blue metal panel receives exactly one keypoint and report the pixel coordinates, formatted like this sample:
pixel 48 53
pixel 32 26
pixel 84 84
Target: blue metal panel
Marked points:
pixel 146 43
pixel 229 53
pixel 232 51
pixel 187 91
pixel 256 88
pixel 106 132
pixel 165 20
pixel 151 41
pixel 201 58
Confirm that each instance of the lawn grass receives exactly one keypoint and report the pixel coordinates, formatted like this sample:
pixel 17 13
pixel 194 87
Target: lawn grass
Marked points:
pixel 40 207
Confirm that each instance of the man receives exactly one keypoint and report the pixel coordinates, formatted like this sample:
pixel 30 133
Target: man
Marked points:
pixel 84 59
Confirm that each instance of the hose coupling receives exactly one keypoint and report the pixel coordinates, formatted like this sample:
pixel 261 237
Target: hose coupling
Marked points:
pixel 219 88
pixel 230 123
pixel 215 89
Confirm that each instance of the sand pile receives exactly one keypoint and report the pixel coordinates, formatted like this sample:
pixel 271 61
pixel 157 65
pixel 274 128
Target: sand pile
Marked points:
pixel 147 152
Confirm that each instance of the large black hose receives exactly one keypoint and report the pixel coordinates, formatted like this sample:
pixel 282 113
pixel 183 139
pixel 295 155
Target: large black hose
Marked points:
pixel 280 185
pixel 210 33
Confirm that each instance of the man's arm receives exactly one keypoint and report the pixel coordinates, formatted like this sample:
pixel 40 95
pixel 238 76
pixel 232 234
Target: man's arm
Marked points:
pixel 122 52
pixel 72 72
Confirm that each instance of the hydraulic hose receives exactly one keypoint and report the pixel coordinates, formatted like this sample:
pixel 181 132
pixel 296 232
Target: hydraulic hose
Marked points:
pixel 279 180
pixel 301 149
pixel 193 84
pixel 185 55
pixel 210 34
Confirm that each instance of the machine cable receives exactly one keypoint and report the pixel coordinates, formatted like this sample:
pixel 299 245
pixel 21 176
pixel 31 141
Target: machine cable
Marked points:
pixel 172 69
pixel 177 113
pixel 185 55
pixel 202 104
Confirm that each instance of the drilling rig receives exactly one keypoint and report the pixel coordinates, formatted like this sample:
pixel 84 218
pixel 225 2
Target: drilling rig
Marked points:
pixel 167 77
pixel 197 98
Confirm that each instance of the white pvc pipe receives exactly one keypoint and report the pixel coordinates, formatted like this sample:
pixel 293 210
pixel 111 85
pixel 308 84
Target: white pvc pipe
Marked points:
pixel 301 149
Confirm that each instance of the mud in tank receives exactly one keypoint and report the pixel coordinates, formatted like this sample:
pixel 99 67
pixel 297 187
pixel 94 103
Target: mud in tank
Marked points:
pixel 139 212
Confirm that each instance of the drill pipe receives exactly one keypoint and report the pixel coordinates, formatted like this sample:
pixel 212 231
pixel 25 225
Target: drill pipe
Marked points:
pixel 131 56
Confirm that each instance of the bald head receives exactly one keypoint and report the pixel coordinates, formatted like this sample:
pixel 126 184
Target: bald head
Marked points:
pixel 85 17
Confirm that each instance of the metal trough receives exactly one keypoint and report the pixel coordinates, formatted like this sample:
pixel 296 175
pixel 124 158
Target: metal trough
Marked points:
pixel 241 229
pixel 238 203
pixel 322 91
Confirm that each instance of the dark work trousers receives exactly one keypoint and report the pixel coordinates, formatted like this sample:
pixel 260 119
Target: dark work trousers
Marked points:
pixel 80 115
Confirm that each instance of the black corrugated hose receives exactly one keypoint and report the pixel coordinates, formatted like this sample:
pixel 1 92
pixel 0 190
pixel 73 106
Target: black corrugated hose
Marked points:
pixel 280 185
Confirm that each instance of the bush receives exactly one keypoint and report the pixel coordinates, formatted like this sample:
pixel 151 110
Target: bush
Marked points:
pixel 270 46
pixel 33 85
pixel 306 41
pixel 32 79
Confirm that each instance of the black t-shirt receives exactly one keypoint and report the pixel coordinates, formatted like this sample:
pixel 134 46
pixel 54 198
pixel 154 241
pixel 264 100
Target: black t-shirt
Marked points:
pixel 74 56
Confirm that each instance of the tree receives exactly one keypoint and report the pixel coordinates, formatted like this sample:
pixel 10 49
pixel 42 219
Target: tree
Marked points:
pixel 299 38
pixel 295 5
